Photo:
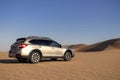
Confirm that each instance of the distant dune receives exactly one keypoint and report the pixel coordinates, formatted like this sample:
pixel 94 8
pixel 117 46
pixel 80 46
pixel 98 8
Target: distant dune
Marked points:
pixel 76 47
pixel 105 45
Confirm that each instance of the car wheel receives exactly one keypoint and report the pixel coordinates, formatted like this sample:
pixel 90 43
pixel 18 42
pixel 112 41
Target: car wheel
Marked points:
pixel 53 59
pixel 67 56
pixel 22 59
pixel 35 57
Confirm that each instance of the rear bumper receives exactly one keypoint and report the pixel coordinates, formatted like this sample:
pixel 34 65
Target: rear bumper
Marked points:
pixel 16 54
pixel 13 55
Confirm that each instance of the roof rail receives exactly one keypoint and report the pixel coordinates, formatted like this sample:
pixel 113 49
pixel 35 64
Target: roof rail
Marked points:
pixel 33 37
pixel 39 37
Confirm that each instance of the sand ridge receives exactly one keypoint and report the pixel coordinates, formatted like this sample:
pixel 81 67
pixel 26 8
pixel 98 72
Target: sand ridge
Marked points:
pixel 100 46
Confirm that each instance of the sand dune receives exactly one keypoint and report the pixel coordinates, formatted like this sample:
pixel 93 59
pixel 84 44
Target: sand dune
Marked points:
pixel 76 47
pixel 101 46
pixel 104 65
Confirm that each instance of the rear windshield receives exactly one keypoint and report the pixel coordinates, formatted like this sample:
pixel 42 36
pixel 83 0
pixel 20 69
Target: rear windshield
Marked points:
pixel 20 40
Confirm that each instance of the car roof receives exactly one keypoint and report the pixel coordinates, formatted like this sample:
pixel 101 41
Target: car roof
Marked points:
pixel 34 37
pixel 39 37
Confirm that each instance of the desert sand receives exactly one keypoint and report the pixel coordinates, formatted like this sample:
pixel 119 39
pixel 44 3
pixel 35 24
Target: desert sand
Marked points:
pixel 102 65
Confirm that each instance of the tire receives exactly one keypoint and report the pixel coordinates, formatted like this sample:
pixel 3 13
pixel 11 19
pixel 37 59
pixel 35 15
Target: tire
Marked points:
pixel 22 59
pixel 35 57
pixel 67 56
pixel 53 59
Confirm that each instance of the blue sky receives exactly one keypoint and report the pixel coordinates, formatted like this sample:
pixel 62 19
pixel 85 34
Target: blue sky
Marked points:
pixel 66 21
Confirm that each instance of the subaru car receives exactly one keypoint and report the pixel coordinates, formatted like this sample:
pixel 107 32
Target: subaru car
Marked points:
pixel 34 48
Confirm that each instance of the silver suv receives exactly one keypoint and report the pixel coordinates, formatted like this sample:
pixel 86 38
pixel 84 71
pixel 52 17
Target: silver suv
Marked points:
pixel 33 49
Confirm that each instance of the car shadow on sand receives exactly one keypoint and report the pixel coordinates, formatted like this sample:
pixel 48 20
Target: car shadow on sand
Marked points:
pixel 14 61
pixel 5 61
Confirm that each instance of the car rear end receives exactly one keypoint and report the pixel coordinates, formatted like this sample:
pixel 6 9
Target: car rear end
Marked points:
pixel 16 48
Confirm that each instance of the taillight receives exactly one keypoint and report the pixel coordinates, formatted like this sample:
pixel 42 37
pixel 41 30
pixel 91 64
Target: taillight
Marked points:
pixel 22 45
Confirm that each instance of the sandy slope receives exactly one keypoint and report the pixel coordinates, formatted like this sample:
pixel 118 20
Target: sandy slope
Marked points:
pixel 100 46
pixel 85 66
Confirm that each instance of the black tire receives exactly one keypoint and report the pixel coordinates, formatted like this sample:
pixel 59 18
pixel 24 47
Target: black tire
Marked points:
pixel 53 59
pixel 67 56
pixel 35 57
pixel 22 59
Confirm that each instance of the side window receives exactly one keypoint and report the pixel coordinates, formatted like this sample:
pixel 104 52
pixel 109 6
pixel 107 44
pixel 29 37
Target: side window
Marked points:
pixel 55 44
pixel 45 42
pixel 38 42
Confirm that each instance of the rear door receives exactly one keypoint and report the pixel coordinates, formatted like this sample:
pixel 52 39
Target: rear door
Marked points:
pixel 43 46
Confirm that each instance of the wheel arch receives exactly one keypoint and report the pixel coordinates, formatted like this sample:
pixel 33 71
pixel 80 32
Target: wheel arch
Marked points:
pixel 37 50
pixel 68 50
